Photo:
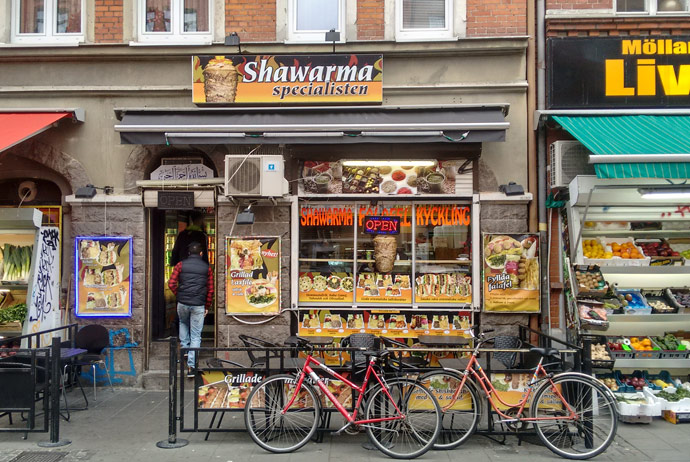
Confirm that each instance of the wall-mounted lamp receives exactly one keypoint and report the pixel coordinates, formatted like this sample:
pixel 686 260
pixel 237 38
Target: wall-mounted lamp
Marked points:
pixel 233 40
pixel 333 36
pixel 245 217
pixel 512 189
pixel 88 191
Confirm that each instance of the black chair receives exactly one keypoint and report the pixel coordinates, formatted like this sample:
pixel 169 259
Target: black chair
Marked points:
pixel 400 361
pixel 22 386
pixel 253 342
pixel 509 342
pixel 93 338
pixel 358 359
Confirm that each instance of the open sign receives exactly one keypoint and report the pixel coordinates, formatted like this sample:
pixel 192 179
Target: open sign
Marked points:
pixel 382 225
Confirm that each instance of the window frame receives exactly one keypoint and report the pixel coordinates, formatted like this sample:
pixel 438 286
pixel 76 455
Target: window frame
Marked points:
pixel 49 35
pixel 176 35
pixel 445 33
pixel 316 36
pixel 651 9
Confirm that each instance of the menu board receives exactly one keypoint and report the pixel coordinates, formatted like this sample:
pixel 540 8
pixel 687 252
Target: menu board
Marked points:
pixel 511 272
pixel 443 288
pixel 326 287
pixel 384 288
pixel 383 177
pixel 252 275
pixel 104 275
pixel 392 324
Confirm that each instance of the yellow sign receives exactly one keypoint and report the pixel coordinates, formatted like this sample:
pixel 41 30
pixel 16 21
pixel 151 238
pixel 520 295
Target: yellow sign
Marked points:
pixel 326 287
pixel 252 275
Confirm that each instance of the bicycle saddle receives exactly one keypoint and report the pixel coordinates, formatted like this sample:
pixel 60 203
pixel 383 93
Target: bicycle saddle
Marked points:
pixel 544 351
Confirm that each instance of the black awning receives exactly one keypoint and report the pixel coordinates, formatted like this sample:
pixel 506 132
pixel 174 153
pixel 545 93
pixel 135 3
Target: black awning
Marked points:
pixel 314 125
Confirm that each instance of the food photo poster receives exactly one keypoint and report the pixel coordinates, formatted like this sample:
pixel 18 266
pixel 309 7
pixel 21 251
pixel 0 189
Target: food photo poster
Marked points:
pixel 104 276
pixel 511 273
pixel 252 275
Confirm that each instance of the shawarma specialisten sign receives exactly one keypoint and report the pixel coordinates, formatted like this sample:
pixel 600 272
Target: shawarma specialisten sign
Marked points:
pixel 287 79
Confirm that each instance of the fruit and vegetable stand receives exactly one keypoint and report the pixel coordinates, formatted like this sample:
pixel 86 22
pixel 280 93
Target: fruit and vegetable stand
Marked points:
pixel 626 275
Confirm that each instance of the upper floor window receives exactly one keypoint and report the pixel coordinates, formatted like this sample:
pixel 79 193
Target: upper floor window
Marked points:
pixel 651 6
pixel 47 21
pixel 309 20
pixel 424 19
pixel 175 21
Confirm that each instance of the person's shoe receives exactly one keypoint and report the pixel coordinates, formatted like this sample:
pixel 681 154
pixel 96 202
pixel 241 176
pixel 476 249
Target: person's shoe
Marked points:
pixel 190 373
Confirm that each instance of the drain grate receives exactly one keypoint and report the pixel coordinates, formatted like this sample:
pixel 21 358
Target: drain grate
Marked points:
pixel 39 456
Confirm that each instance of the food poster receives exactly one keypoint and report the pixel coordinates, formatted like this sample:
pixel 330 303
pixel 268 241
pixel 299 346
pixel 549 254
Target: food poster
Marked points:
pixel 104 275
pixel 252 275
pixel 512 388
pixel 384 288
pixel 384 177
pixel 326 287
pixel 511 273
pixel 226 390
pixel 443 288
pixel 443 387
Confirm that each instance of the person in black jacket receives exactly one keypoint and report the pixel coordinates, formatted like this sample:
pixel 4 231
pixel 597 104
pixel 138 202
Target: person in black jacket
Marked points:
pixel 192 282
pixel 193 233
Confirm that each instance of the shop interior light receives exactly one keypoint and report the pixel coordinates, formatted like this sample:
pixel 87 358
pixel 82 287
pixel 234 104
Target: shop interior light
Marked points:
pixel 417 133
pixel 666 193
pixel 392 163
pixel 302 134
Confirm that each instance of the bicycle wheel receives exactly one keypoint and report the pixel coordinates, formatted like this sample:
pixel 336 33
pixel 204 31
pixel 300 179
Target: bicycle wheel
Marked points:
pixel 585 436
pixel 269 427
pixel 459 421
pixel 412 435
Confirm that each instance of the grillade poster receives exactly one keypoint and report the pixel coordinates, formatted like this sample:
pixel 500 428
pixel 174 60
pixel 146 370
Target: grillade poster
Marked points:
pixel 511 272
pixel 252 275
pixel 287 79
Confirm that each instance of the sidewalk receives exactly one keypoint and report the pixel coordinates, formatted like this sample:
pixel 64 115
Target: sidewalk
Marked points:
pixel 124 427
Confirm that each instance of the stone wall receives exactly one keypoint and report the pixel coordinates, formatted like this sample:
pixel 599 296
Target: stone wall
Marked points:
pixel 97 219
pixel 269 220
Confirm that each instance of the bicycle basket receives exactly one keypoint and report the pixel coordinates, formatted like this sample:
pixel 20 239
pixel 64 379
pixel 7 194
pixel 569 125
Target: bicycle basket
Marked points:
pixel 507 358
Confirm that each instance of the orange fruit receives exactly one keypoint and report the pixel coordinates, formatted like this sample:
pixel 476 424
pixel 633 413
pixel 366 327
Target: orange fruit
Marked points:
pixel 625 255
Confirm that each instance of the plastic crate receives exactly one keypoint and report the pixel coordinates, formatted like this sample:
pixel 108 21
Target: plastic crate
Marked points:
pixel 605 377
pixel 663 375
pixel 660 295
pixel 626 353
pixel 655 353
pixel 638 305
pixel 645 376
pixel 659 260
pixel 618 261
pixel 672 294
pixel 601 363
pixel 622 381
pixel 672 354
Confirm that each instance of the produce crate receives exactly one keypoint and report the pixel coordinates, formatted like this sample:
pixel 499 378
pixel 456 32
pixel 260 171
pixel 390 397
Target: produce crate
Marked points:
pixel 681 245
pixel 593 270
pixel 612 305
pixel 618 261
pixel 654 353
pixel 626 353
pixel 638 304
pixel 680 297
pixel 658 260
pixel 655 296
pixel 662 375
pixel 645 375
pixel 680 353
pixel 603 378
pixel 638 413
pixel 601 363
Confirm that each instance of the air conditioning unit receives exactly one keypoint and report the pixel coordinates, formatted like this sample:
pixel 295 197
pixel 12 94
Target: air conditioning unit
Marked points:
pixel 568 159
pixel 255 175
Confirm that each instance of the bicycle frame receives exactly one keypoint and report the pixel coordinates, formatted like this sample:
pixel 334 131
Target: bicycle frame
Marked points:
pixel 476 371
pixel 351 418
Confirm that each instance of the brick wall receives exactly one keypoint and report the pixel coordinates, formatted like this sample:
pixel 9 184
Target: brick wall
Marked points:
pixel 617 26
pixel 370 19
pixel 578 4
pixel 489 18
pixel 108 21
pixel 253 20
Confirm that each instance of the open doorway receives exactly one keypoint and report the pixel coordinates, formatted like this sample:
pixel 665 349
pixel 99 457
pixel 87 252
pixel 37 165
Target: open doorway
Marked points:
pixel 165 227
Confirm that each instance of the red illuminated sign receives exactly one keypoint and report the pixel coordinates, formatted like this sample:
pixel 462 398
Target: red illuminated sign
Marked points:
pixel 382 225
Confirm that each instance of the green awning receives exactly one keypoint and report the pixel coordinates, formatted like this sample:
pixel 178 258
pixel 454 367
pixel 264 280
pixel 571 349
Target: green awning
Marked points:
pixel 633 134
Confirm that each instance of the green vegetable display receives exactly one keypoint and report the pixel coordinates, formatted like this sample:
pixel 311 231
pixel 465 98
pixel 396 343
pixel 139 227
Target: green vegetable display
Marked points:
pixel 13 313
pixel 677 396
pixel 16 262
pixel 667 342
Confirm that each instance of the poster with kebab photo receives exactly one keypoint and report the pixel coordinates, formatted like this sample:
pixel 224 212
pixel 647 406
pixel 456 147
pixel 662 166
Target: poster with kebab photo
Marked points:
pixel 511 273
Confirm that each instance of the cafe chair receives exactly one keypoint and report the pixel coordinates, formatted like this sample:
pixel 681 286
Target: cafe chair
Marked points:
pixel 93 338
pixel 508 342
pixel 21 389
pixel 358 360
pixel 400 361
pixel 273 360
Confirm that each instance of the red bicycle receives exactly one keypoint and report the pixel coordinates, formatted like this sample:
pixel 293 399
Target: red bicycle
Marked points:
pixel 574 414
pixel 401 417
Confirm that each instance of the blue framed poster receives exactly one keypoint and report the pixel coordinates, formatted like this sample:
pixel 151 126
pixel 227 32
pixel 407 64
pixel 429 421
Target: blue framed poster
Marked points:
pixel 103 283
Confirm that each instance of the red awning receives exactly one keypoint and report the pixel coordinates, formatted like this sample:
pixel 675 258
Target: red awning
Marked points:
pixel 16 127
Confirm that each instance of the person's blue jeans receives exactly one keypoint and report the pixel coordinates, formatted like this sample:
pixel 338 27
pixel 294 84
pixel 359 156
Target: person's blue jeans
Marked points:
pixel 191 325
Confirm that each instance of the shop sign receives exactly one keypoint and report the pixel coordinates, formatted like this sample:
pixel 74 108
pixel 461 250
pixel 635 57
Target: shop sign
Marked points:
pixel 382 225
pixel 43 305
pixel 287 79
pixel 182 172
pixel 619 72
pixel 384 288
pixel 426 215
pixel 443 288
pixel 175 200
pixel 104 276
pixel 252 271
pixel 390 178
pixel 326 287
pixel 511 272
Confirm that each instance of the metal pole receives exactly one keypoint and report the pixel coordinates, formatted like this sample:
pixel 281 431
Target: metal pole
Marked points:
pixel 172 442
pixel 54 410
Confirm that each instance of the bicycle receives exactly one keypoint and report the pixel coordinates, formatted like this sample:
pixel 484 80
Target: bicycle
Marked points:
pixel 574 415
pixel 402 418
